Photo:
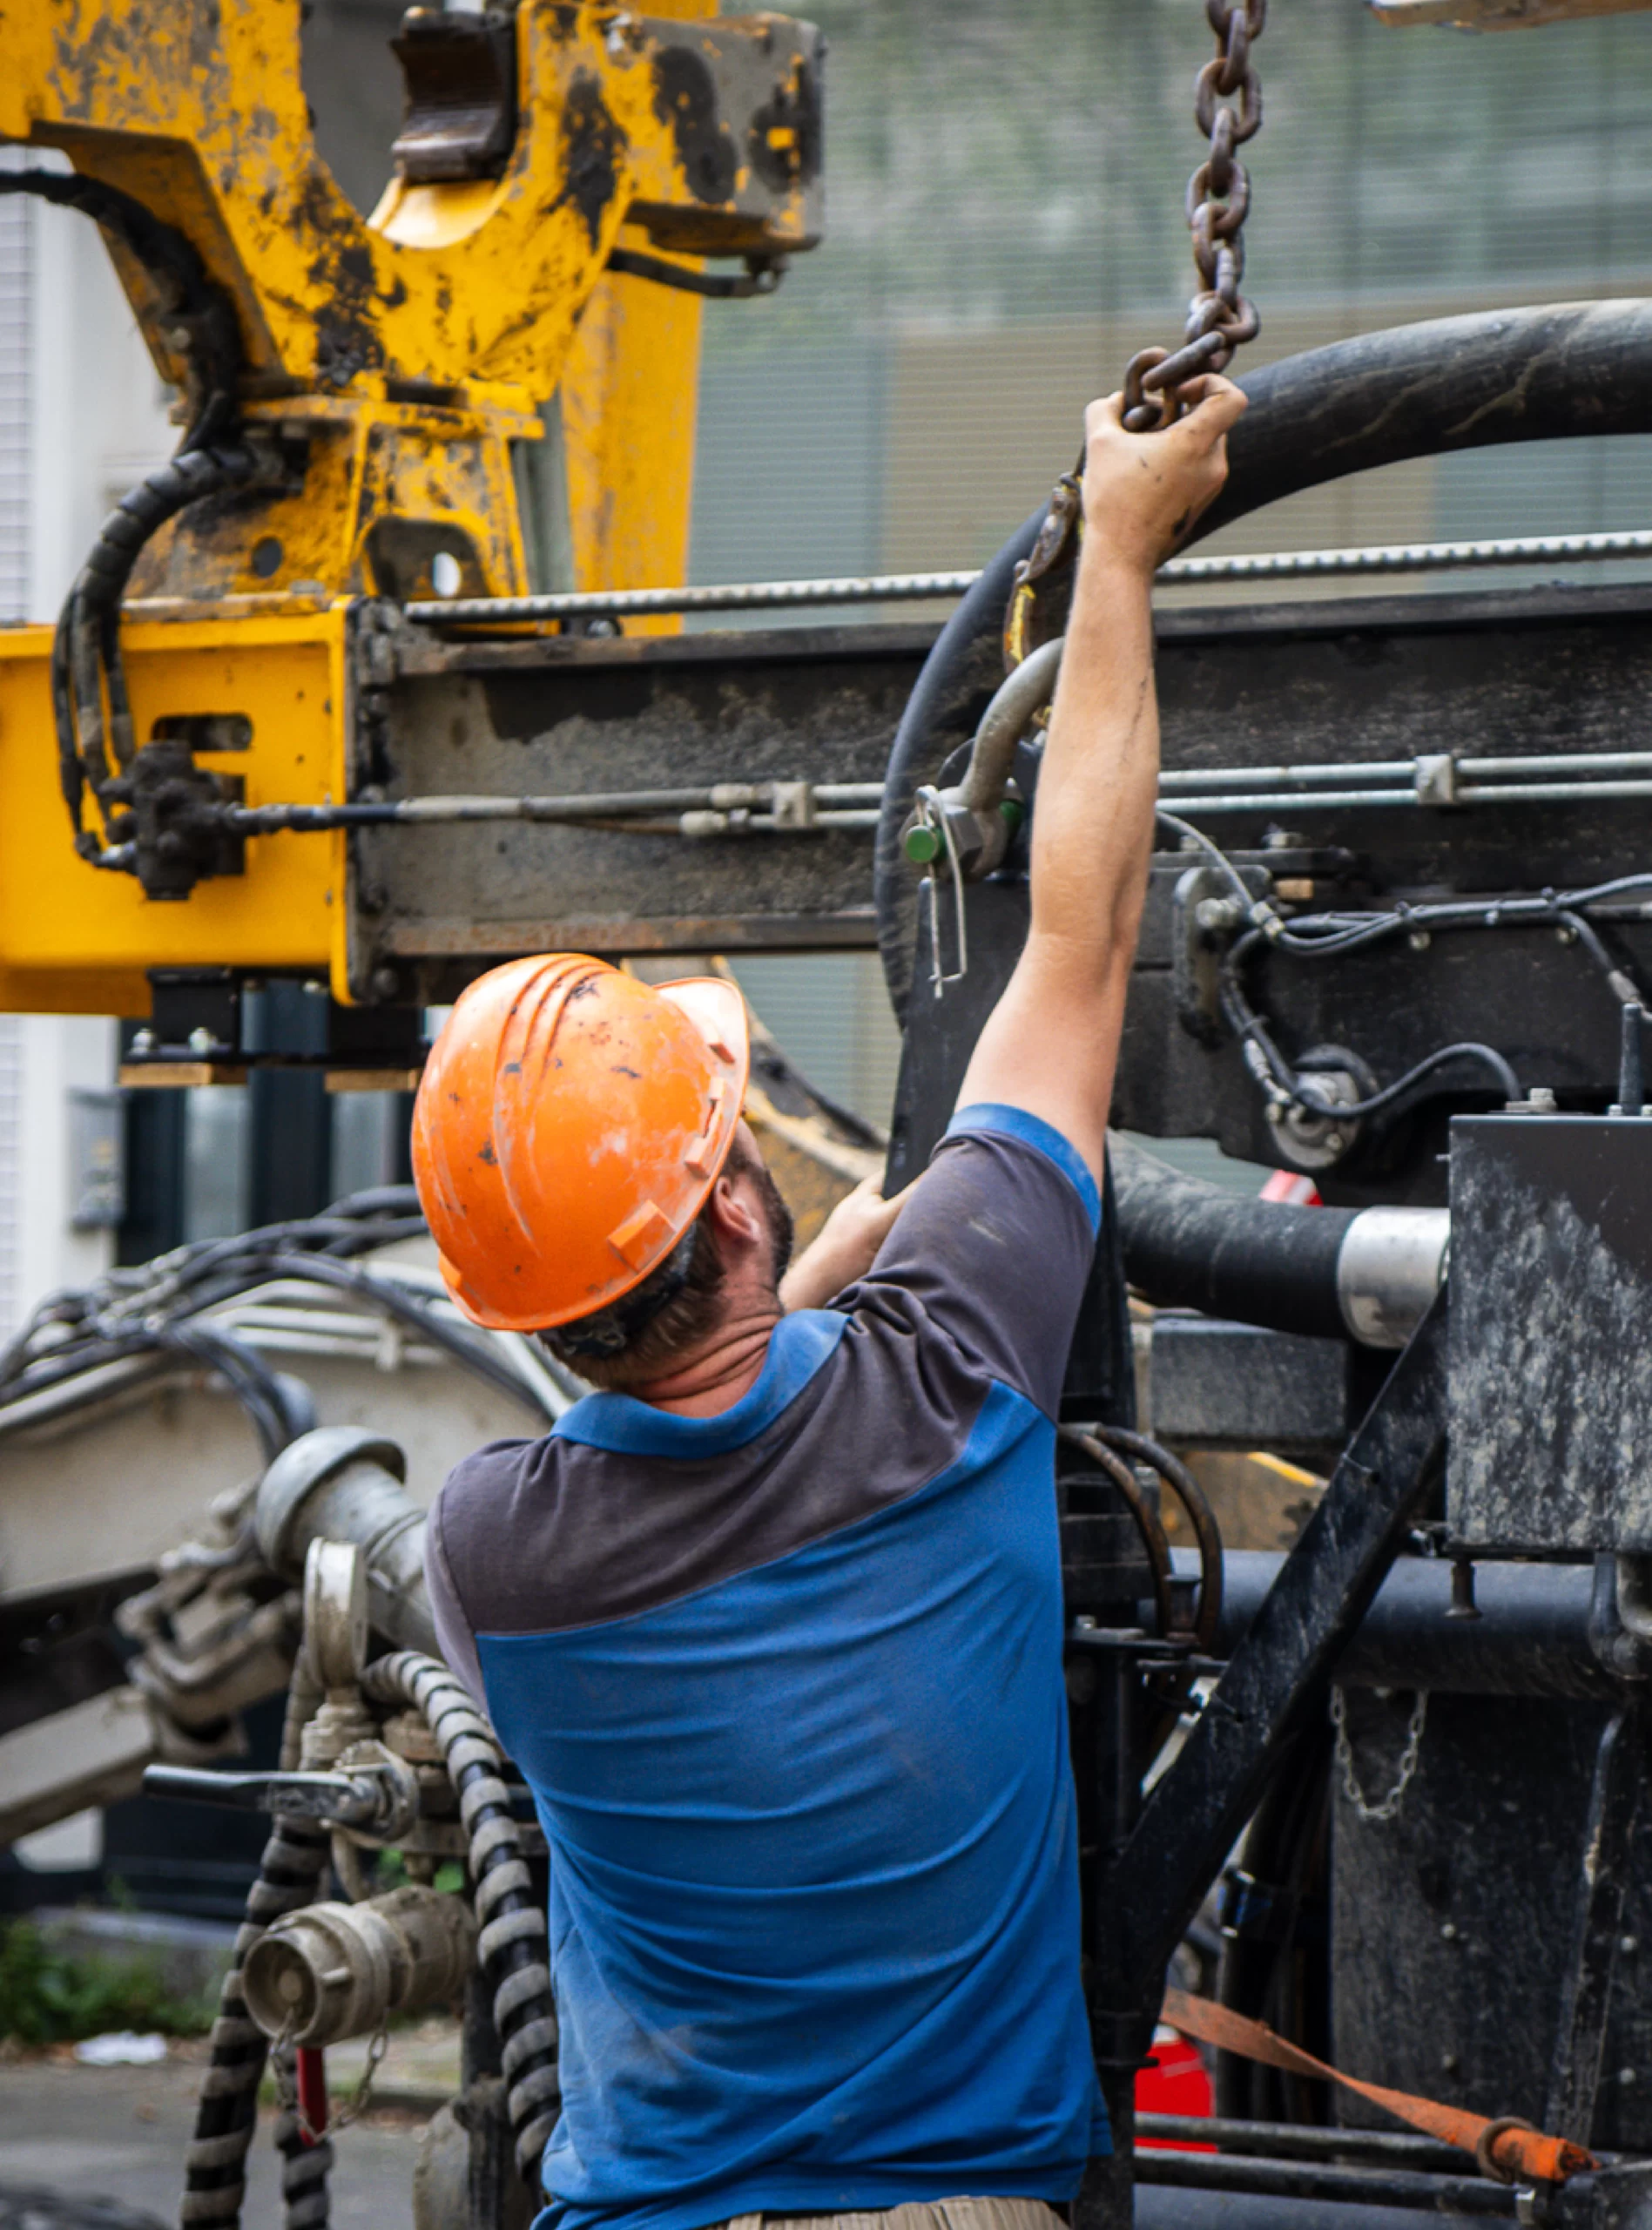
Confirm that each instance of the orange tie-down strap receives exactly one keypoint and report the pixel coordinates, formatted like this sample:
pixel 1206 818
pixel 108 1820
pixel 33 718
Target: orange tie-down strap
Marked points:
pixel 1512 2151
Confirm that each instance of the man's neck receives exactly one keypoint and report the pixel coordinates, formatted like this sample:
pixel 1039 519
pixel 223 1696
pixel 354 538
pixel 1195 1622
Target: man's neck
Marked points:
pixel 728 1367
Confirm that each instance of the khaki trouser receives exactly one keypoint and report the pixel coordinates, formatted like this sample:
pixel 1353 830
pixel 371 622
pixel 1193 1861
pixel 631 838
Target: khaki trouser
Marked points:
pixel 929 2214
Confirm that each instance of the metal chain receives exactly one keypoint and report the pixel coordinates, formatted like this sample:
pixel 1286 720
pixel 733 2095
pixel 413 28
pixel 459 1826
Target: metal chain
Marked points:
pixel 284 2070
pixel 1227 107
pixel 1387 1808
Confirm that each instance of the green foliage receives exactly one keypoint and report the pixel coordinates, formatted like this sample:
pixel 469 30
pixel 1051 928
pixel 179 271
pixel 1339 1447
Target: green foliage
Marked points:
pixel 48 1996
pixel 391 1873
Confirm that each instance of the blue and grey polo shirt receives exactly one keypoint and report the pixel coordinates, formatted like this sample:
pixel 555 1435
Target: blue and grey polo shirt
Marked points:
pixel 786 1683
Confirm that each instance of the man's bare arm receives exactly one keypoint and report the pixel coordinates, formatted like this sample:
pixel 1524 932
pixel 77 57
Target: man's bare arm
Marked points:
pixel 1050 1045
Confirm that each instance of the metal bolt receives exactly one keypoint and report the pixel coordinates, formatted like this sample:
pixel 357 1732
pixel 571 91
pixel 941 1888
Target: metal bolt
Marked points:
pixel 1334 1141
pixel 1448 1931
pixel 1629 1945
pixel 142 1041
pixel 1449 2063
pixel 1420 939
pixel 201 1041
pixel 1626 2076
pixel 386 983
pixel 1566 933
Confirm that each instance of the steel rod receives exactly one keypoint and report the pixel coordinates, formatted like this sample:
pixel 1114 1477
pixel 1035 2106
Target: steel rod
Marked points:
pixel 899 588
pixel 1463 2194
pixel 1304 2140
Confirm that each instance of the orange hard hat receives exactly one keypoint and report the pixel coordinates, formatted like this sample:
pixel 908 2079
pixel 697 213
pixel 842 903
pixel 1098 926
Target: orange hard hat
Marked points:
pixel 570 1124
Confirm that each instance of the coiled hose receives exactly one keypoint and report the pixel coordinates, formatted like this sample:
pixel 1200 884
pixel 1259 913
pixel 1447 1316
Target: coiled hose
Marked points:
pixel 513 1947
pixel 215 2165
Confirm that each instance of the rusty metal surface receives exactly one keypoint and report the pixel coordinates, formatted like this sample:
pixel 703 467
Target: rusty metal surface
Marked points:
pixel 1219 318
pixel 573 715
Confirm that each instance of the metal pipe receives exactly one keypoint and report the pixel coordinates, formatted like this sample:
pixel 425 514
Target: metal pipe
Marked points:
pixel 1313 2180
pixel 906 588
pixel 1025 691
pixel 1300 2140
pixel 1364 1274
pixel 1186 2207
pixel 1390 1266
pixel 1531 1637
pixel 341 1483
pixel 1402 772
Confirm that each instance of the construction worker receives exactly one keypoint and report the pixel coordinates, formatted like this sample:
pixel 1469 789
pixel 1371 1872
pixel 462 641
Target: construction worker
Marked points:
pixel 772 1624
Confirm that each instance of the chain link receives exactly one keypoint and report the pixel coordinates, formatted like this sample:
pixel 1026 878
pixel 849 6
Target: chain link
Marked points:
pixel 283 2068
pixel 1227 107
pixel 1386 1808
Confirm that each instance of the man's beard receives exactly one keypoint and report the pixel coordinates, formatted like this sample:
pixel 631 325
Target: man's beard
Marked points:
pixel 775 1215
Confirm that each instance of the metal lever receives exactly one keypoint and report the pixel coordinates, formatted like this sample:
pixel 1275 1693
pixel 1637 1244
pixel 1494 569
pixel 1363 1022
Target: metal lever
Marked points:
pixel 352 1799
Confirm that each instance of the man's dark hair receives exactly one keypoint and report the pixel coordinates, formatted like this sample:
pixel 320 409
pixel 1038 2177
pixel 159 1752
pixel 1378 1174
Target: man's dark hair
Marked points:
pixel 675 1306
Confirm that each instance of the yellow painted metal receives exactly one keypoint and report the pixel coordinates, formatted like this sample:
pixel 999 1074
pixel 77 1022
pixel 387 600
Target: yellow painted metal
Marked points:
pixel 399 359
pixel 410 350
pixel 197 107
pixel 74 940
pixel 628 416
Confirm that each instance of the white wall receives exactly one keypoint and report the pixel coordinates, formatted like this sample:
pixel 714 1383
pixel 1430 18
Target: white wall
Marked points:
pixel 82 417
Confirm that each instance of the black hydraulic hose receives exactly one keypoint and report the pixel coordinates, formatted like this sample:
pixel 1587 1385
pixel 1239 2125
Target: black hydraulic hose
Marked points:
pixel 1206 1533
pixel 191 303
pixel 85 653
pixel 1189 1245
pixel 1564 369
pixel 306 2163
pixel 1141 1512
pixel 1448 383
pixel 953 687
pixel 280 1408
pixel 215 2165
pixel 513 1947
pixel 201 324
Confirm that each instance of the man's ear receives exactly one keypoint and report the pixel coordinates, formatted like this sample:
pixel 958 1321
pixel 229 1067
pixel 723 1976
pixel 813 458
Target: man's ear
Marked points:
pixel 733 1212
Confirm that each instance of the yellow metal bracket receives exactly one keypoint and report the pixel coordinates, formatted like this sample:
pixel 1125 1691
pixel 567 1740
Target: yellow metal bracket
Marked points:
pixel 402 367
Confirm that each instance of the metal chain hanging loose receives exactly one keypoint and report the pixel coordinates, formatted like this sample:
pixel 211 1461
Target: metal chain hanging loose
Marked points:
pixel 1381 1808
pixel 1227 107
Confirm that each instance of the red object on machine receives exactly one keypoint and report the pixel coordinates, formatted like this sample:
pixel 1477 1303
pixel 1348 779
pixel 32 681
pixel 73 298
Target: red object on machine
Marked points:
pixel 1294 1189
pixel 312 2090
pixel 1174 2082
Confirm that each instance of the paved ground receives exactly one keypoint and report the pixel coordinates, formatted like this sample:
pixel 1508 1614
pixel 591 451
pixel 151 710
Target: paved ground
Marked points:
pixel 119 2132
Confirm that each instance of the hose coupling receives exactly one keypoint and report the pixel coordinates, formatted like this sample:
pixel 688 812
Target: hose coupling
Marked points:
pixel 330 1971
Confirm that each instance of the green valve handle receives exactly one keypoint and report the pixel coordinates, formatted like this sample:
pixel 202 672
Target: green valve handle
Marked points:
pixel 922 844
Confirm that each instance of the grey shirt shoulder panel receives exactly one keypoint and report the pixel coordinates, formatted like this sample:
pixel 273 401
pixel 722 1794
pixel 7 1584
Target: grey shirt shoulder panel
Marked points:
pixel 455 1636
pixel 978 1284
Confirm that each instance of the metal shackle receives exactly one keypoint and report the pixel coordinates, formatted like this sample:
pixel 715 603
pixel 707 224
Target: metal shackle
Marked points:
pixel 330 1971
pixel 341 1483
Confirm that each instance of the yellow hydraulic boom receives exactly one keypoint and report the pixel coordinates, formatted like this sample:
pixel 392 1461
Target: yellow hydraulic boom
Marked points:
pixel 362 399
